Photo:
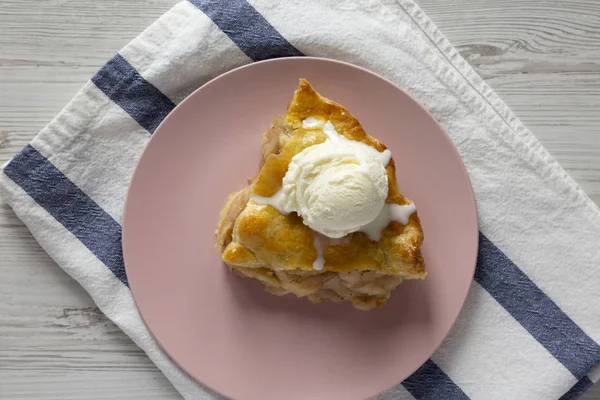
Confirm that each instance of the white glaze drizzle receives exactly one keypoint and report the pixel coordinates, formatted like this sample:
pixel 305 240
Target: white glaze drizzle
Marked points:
pixel 343 241
pixel 319 262
pixel 320 241
pixel 389 212
pixel 312 122
pixel 276 200
pixel 383 156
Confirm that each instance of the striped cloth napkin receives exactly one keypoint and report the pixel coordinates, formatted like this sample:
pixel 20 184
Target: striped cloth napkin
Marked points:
pixel 530 328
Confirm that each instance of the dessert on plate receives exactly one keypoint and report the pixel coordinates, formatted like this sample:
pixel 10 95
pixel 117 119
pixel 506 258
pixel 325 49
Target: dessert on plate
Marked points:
pixel 323 218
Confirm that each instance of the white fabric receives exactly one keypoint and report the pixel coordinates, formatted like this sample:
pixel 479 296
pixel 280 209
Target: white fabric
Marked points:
pixel 527 204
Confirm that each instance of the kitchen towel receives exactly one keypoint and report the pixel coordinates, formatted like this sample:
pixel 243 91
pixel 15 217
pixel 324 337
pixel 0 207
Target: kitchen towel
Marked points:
pixel 530 328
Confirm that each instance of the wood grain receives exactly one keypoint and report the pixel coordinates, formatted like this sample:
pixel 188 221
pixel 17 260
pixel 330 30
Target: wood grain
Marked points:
pixel 541 56
pixel 543 59
pixel 54 343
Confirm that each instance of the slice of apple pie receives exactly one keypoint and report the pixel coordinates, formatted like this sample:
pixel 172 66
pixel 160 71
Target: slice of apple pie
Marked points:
pixel 324 218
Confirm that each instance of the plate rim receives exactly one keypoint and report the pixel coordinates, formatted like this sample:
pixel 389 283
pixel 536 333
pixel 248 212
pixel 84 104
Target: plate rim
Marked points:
pixel 128 203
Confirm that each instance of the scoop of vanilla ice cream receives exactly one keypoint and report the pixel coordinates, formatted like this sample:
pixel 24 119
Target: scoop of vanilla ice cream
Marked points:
pixel 337 187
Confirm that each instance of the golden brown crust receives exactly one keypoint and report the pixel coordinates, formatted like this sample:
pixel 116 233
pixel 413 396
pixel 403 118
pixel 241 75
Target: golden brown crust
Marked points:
pixel 236 202
pixel 258 241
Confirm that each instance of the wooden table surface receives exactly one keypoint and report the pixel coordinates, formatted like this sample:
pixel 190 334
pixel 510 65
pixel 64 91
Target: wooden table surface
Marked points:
pixel 541 56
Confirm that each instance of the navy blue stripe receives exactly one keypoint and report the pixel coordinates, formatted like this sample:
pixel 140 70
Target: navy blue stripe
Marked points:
pixel 56 194
pixel 139 98
pixel 249 30
pixel 578 389
pixel 259 40
pixel 431 383
pixel 542 318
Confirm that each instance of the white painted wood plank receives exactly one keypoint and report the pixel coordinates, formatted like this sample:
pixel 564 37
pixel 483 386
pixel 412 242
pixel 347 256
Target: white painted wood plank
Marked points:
pixel 54 344
pixel 541 56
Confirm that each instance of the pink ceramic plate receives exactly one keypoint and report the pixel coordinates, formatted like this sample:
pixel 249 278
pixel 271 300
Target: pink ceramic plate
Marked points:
pixel 227 332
